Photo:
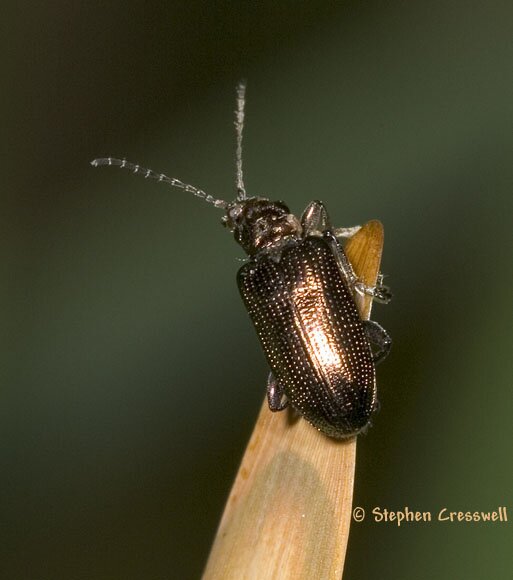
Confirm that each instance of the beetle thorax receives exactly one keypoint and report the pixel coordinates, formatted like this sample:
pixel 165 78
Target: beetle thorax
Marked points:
pixel 259 224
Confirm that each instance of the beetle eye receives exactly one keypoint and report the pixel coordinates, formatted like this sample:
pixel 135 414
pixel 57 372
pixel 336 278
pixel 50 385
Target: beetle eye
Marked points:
pixel 281 207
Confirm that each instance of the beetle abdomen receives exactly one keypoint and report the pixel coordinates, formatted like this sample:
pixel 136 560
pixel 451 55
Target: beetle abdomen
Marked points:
pixel 312 335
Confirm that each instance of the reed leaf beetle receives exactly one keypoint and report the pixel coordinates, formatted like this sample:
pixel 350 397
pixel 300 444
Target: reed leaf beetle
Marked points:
pixel 298 288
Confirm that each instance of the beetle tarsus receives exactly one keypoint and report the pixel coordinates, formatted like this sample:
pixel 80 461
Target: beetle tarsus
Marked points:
pixel 378 336
pixel 379 293
pixel 276 396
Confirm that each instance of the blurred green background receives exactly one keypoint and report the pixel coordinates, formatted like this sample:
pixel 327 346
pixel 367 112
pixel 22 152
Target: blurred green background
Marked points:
pixel 132 376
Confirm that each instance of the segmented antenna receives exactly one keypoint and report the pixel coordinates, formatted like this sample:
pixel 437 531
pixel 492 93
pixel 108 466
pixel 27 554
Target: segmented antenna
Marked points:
pixel 239 126
pixel 149 173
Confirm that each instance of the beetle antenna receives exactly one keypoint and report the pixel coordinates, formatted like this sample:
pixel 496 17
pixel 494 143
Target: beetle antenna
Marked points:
pixel 239 126
pixel 149 173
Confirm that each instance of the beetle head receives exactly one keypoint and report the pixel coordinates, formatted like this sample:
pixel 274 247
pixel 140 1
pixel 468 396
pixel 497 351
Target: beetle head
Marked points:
pixel 260 224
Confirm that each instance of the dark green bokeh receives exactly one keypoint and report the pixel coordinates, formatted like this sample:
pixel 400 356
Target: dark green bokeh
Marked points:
pixel 132 376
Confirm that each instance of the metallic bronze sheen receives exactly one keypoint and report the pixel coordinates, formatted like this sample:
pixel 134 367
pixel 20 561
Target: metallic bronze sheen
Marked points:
pixel 312 334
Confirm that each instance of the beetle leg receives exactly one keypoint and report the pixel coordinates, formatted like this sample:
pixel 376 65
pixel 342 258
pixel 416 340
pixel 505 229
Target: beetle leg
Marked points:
pixel 344 264
pixel 379 336
pixel 380 292
pixel 346 232
pixel 315 219
pixel 276 396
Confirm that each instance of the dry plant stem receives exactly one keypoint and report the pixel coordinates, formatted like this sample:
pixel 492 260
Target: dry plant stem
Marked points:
pixel 289 510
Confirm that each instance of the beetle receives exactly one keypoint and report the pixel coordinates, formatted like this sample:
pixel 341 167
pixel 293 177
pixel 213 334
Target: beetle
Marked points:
pixel 298 287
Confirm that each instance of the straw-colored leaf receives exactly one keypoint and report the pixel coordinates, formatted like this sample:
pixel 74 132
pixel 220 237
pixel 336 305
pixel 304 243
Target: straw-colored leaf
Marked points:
pixel 289 510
